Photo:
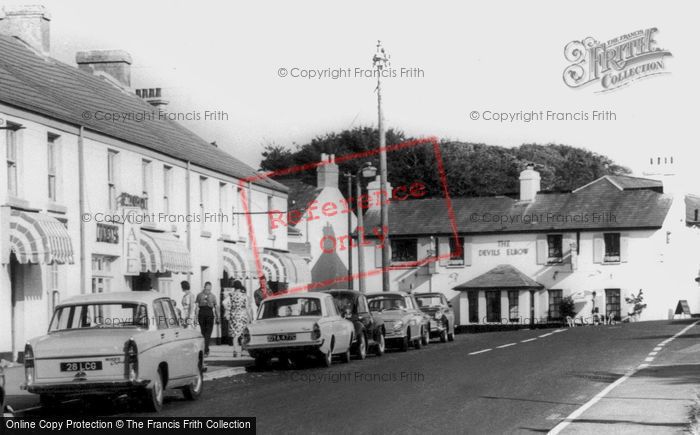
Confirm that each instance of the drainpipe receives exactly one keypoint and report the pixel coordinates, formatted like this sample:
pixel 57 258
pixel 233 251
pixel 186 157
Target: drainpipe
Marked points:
pixel 188 206
pixel 81 204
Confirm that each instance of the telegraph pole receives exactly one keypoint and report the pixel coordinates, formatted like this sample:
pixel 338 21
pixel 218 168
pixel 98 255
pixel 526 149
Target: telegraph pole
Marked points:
pixel 381 61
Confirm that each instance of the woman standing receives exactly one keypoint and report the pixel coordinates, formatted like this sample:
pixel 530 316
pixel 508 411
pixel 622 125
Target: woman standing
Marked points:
pixel 238 315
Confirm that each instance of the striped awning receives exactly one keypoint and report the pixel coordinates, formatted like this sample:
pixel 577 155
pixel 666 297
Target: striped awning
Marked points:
pixel 285 267
pixel 237 263
pixel 39 238
pixel 163 252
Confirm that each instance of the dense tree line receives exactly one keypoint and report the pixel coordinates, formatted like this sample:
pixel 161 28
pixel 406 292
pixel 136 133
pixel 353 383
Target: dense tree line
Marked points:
pixel 471 169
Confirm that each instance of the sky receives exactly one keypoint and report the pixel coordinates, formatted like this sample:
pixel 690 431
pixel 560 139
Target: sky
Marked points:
pixel 505 56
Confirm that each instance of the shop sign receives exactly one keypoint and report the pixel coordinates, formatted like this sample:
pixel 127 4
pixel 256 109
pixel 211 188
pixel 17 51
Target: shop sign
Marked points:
pixel 107 233
pixel 128 200
pixel 503 248
pixel 132 237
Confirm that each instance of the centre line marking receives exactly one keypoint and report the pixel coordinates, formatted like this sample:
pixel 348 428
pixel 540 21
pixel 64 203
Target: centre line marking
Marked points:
pixel 577 413
pixel 480 351
pixel 546 335
pixel 529 339
pixel 506 345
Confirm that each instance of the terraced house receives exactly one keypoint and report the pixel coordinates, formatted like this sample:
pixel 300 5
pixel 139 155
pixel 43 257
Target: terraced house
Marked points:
pixel 514 259
pixel 92 205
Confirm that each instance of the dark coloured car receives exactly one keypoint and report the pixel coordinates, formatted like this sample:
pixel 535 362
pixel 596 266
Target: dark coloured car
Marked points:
pixel 439 310
pixel 369 329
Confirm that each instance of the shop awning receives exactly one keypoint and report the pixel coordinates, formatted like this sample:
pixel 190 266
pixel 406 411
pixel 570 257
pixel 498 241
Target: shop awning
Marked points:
pixel 285 267
pixel 501 277
pixel 236 263
pixel 163 252
pixel 39 238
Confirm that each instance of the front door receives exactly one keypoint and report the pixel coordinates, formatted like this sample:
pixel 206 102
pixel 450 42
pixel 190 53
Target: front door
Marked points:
pixel 612 303
pixel 493 306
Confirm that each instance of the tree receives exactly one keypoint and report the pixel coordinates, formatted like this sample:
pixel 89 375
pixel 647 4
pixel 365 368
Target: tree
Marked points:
pixel 276 157
pixel 638 305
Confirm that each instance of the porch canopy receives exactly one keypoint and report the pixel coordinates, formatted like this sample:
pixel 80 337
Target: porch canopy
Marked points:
pixel 163 252
pixel 237 262
pixel 39 238
pixel 284 267
pixel 501 277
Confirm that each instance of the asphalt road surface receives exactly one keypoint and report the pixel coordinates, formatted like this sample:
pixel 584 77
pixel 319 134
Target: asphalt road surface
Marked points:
pixel 502 382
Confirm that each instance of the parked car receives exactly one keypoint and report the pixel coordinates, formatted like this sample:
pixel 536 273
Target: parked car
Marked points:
pixel 440 313
pixel 403 321
pixel 115 343
pixel 369 329
pixel 297 325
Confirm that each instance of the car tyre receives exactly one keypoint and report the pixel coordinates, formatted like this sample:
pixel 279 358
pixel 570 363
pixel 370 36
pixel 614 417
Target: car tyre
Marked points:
pixel 425 338
pixel 381 345
pixel 327 358
pixel 361 346
pixel 261 362
pixel 451 335
pixel 154 394
pixel 417 342
pixel 443 336
pixel 405 341
pixel 345 356
pixel 49 400
pixel 194 390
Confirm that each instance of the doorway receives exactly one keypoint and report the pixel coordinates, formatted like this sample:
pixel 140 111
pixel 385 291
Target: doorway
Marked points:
pixel 493 306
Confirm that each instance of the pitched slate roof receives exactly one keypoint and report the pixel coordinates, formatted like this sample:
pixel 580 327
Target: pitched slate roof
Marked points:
pixel 503 276
pixel 51 88
pixel 599 205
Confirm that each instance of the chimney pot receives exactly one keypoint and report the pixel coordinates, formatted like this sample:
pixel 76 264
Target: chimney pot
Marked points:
pixel 30 24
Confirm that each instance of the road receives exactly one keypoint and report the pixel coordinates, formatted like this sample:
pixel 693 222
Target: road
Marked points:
pixel 528 381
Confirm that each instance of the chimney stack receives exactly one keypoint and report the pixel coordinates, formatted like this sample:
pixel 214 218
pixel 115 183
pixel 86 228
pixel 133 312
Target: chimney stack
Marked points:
pixel 115 63
pixel 327 175
pixel 152 97
pixel 529 183
pixel 28 23
pixel 375 194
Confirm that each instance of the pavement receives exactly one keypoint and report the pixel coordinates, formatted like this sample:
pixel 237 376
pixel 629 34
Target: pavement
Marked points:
pixel 625 378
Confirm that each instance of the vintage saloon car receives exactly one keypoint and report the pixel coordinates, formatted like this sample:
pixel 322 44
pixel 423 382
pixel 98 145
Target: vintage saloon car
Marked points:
pixel 440 313
pixel 297 325
pixel 369 329
pixel 115 343
pixel 403 321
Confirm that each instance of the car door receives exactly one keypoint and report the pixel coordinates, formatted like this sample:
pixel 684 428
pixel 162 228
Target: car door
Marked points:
pixel 166 337
pixel 183 352
pixel 341 327
pixel 416 317
pixel 364 316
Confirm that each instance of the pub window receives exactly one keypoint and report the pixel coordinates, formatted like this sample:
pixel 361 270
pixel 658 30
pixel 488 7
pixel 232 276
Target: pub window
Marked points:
pixel 12 160
pixel 222 206
pixel 456 251
pixel 146 180
pixel 101 273
pixel 554 248
pixel 112 169
pixel 404 250
pixel 202 199
pixel 513 305
pixel 554 302
pixel 167 180
pixel 51 155
pixel 612 247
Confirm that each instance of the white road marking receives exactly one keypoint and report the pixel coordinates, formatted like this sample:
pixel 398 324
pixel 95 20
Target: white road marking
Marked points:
pixel 506 345
pixel 650 359
pixel 642 366
pixel 480 351
pixel 560 330
pixel 577 413
pixel 528 340
pixel 657 349
pixel 546 335
pixel 652 353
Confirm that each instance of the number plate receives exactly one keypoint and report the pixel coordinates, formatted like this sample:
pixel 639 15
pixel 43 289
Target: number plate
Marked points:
pixel 281 337
pixel 83 366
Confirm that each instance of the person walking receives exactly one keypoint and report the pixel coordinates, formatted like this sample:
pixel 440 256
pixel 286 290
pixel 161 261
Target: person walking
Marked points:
pixel 239 315
pixel 207 314
pixel 188 306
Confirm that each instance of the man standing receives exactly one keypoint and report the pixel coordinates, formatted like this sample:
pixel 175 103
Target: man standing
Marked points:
pixel 262 292
pixel 188 305
pixel 207 314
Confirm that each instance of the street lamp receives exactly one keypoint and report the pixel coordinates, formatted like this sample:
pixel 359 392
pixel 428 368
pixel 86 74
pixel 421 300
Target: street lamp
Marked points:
pixel 380 61
pixel 366 171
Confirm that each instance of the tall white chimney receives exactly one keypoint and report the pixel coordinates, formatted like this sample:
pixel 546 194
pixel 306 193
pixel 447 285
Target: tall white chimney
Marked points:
pixel 327 175
pixel 28 23
pixel 375 194
pixel 529 183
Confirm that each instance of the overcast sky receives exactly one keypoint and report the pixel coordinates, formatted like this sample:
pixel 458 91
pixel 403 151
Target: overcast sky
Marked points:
pixel 500 56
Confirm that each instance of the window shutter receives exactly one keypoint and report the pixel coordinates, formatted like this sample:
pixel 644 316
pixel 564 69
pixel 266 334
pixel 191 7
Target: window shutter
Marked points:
pixel 542 251
pixel 444 250
pixel 566 249
pixel 624 247
pixel 598 249
pixel 467 251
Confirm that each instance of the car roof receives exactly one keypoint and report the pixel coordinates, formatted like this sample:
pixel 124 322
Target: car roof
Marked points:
pixel 121 296
pixel 387 294
pixel 318 295
pixel 344 291
pixel 428 294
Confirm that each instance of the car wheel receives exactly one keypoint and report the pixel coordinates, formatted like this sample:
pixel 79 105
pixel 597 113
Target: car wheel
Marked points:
pixel 425 339
pixel 327 358
pixel 443 336
pixel 362 346
pixel 49 400
pixel 451 335
pixel 194 390
pixel 345 356
pixel 261 361
pixel 381 345
pixel 405 341
pixel 417 342
pixel 154 395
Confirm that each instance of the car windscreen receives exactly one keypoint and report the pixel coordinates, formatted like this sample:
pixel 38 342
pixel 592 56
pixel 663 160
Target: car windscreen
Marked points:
pixel 382 303
pixel 429 301
pixel 290 307
pixel 344 302
pixel 99 315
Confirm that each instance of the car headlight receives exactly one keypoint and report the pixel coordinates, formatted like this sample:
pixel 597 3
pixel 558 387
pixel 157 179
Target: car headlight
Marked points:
pixel 398 325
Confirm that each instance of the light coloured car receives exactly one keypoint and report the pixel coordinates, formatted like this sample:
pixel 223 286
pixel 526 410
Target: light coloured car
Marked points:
pixel 297 325
pixel 440 314
pixel 115 343
pixel 404 323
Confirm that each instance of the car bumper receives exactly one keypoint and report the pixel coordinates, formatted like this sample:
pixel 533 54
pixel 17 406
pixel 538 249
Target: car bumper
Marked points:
pixel 273 349
pixel 436 327
pixel 86 387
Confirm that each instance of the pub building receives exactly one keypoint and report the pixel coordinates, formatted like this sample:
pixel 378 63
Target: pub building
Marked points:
pixel 513 259
pixel 89 204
